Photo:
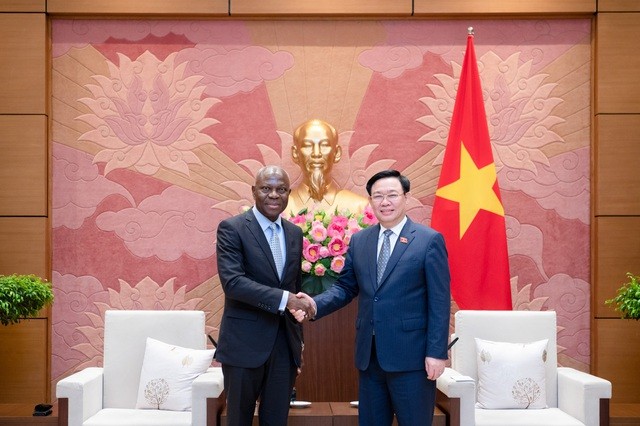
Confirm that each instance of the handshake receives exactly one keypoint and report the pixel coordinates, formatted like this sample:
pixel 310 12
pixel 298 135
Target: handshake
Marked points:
pixel 301 306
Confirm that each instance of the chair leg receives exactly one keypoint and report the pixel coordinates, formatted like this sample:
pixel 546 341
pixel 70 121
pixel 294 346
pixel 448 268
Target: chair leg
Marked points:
pixel 450 406
pixel 63 411
pixel 604 411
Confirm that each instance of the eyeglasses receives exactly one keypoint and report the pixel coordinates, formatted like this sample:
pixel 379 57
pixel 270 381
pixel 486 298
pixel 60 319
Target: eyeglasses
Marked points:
pixel 392 198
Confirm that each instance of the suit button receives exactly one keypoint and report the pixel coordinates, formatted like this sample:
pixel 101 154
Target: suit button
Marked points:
pixel 375 299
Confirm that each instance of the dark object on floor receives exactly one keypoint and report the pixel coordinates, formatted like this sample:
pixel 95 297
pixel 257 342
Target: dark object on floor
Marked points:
pixel 43 410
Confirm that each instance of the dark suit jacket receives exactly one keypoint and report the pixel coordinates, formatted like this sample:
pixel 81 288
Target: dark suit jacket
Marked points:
pixel 409 310
pixel 253 291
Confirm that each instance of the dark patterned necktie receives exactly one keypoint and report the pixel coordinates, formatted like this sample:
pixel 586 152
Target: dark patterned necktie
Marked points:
pixel 385 252
pixel 276 251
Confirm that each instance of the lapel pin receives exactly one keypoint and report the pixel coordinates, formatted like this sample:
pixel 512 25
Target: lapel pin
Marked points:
pixel 404 240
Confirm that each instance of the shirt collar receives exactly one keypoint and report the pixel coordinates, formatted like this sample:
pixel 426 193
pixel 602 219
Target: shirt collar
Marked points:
pixel 396 229
pixel 263 220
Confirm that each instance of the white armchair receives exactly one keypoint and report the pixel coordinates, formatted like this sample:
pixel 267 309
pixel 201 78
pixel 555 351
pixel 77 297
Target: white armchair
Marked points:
pixel 572 397
pixel 106 396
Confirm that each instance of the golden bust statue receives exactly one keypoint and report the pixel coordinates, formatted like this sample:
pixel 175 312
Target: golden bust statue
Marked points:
pixel 315 150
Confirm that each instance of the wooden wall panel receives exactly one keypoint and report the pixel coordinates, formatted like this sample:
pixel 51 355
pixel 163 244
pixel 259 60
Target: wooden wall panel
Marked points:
pixel 617 181
pixel 617 84
pixel 139 7
pixel 23 6
pixel 485 7
pixel 617 251
pixel 616 357
pixel 326 7
pixel 618 6
pixel 24 246
pixel 23 63
pixel 23 362
pixel 23 165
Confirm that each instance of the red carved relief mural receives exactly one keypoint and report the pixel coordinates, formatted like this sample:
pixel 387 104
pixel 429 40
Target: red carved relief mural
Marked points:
pixel 159 127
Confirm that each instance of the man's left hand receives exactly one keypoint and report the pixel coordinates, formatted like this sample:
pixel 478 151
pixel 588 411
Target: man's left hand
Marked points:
pixel 434 367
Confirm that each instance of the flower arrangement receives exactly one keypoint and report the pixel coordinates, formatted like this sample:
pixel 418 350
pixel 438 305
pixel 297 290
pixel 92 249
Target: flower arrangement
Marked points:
pixel 325 241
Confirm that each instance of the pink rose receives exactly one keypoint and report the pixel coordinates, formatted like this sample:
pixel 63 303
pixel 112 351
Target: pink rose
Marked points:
pixel 337 264
pixel 324 252
pixel 319 269
pixel 299 219
pixel 340 220
pixel 337 247
pixel 305 243
pixel 306 266
pixel 353 226
pixel 318 231
pixel 312 252
pixel 369 218
pixel 335 230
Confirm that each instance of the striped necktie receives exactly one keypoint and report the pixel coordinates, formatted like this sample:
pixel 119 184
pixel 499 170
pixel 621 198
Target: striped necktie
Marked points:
pixel 385 252
pixel 276 251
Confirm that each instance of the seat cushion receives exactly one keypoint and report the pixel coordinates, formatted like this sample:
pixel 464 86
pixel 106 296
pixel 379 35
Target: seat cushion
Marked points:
pixel 133 417
pixel 546 417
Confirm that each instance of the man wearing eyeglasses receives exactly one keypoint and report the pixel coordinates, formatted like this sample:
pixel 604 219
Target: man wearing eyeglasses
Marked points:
pixel 400 272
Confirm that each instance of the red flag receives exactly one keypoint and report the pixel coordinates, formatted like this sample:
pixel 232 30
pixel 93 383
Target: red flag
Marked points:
pixel 468 209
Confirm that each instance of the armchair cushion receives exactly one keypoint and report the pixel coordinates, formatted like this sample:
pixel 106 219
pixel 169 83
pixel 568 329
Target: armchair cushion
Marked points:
pixel 548 417
pixel 133 417
pixel 167 375
pixel 511 375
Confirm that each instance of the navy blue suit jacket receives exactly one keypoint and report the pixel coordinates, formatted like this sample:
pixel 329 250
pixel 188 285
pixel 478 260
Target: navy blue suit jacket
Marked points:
pixel 409 310
pixel 253 291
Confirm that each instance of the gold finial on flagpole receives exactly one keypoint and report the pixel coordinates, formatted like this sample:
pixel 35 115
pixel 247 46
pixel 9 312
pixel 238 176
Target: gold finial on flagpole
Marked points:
pixel 470 30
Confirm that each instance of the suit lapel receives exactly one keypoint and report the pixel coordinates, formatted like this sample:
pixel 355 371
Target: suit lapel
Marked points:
pixel 258 234
pixel 404 241
pixel 289 235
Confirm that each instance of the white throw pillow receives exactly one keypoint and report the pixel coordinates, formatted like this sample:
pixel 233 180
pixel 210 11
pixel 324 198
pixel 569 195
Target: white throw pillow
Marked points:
pixel 168 372
pixel 511 375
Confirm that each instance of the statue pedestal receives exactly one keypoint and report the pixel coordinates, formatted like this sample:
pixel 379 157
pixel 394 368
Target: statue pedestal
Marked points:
pixel 329 372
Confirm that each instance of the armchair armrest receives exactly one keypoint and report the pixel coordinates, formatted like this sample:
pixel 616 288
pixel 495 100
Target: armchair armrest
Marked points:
pixel 208 398
pixel 584 396
pixel 457 396
pixel 83 392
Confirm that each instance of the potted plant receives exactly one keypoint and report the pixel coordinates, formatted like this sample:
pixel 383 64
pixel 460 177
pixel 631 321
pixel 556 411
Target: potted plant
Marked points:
pixel 22 296
pixel 627 300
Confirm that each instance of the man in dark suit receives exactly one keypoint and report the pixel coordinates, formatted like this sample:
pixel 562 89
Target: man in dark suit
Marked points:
pixel 260 343
pixel 403 309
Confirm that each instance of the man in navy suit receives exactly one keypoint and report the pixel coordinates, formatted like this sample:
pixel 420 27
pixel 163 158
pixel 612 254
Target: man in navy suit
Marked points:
pixel 260 343
pixel 403 309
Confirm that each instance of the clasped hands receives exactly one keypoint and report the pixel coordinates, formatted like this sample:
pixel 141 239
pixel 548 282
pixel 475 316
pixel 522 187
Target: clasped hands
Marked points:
pixel 301 306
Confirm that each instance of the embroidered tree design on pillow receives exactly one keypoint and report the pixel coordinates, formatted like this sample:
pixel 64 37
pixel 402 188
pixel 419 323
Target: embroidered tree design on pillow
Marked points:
pixel 156 392
pixel 526 391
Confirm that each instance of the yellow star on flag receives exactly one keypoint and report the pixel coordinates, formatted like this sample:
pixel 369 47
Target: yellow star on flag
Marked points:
pixel 473 191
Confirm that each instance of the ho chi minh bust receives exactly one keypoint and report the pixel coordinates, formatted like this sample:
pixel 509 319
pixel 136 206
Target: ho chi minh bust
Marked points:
pixel 315 150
